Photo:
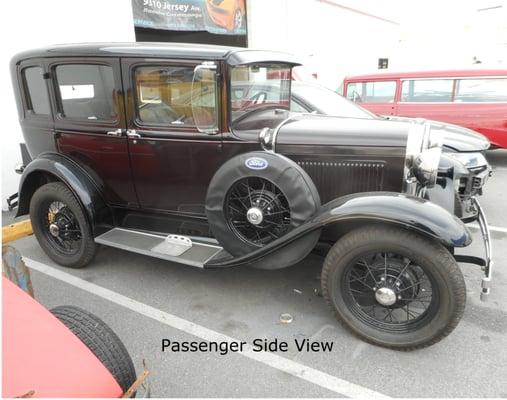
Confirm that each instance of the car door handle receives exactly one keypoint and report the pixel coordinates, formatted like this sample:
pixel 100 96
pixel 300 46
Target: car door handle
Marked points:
pixel 116 132
pixel 131 133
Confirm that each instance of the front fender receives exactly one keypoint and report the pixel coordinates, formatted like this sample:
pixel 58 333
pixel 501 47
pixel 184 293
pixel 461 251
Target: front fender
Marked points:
pixel 407 212
pixel 52 166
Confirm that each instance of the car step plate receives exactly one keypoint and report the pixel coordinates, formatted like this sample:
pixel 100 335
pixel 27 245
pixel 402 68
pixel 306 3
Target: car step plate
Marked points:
pixel 181 249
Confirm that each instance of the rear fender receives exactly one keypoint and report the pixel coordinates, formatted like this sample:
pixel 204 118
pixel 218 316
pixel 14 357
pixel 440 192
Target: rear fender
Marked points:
pixel 348 212
pixel 49 167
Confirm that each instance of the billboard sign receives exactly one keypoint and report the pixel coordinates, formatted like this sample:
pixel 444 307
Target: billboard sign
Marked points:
pixel 215 16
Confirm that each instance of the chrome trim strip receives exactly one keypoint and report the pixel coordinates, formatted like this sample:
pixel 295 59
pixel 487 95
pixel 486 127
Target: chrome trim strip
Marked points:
pixel 488 249
pixel 414 146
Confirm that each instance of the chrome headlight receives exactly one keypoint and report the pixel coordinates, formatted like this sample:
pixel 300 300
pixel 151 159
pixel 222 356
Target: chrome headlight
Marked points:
pixel 425 167
pixel 469 160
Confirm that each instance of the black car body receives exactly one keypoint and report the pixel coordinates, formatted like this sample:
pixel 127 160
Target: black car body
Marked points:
pixel 160 150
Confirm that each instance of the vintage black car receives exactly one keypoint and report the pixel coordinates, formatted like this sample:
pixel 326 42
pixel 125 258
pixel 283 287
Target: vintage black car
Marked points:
pixel 161 149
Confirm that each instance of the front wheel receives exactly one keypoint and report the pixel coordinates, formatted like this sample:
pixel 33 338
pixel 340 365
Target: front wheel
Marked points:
pixel 393 288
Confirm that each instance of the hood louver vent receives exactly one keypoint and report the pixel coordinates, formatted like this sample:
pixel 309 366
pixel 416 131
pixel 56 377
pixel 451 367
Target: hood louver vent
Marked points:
pixel 334 179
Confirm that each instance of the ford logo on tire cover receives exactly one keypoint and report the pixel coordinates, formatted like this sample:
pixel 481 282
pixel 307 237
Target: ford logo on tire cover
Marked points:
pixel 256 163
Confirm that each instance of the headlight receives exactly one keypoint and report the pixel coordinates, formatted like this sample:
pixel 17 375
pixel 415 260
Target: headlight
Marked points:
pixel 425 167
pixel 469 160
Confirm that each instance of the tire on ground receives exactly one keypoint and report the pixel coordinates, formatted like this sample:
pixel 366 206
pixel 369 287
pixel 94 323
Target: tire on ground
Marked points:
pixel 298 188
pixel 101 340
pixel 437 261
pixel 58 191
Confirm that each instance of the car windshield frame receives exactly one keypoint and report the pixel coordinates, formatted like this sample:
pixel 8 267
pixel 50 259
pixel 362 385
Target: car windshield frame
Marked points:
pixel 282 67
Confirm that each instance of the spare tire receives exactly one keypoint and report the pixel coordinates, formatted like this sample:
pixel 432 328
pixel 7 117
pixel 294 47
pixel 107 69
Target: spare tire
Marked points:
pixel 257 197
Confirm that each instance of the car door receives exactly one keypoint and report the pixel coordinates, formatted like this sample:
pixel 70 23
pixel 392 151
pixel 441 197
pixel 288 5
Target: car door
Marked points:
pixel 172 161
pixel 376 96
pixel 89 123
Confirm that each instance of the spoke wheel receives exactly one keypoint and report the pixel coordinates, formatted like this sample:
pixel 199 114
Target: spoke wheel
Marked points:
pixel 238 20
pixel 257 211
pixel 61 226
pixel 62 229
pixel 393 288
pixel 389 292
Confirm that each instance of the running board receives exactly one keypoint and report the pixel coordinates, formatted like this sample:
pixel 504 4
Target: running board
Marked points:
pixel 181 249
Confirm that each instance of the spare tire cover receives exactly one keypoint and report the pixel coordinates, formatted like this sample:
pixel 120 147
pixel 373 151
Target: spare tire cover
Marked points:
pixel 295 184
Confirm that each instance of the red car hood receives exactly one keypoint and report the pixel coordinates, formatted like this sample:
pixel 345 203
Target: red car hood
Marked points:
pixel 41 354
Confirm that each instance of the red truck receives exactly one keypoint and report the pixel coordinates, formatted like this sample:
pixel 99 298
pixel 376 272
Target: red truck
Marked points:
pixel 475 99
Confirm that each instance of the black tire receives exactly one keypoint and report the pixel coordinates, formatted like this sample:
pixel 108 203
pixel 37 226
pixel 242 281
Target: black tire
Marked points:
pixel 291 182
pixel 442 312
pixel 102 342
pixel 85 247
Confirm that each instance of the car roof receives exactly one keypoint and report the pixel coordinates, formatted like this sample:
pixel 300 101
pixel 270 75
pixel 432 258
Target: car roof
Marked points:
pixel 234 55
pixel 454 73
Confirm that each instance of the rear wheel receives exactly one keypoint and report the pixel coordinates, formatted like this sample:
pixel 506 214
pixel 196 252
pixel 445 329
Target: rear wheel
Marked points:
pixel 60 225
pixel 393 288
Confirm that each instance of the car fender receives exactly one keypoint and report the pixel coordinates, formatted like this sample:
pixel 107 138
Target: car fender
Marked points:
pixel 56 167
pixel 348 212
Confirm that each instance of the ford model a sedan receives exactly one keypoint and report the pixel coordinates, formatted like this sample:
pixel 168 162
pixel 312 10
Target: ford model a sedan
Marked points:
pixel 163 150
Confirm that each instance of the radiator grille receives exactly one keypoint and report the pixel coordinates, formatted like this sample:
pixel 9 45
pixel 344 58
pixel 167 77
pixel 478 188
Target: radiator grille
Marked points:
pixel 334 179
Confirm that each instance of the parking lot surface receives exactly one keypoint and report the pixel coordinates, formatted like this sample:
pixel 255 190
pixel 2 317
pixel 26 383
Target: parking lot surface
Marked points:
pixel 246 304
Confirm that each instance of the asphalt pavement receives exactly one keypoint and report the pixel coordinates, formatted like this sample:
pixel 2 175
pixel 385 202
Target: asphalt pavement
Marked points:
pixel 148 300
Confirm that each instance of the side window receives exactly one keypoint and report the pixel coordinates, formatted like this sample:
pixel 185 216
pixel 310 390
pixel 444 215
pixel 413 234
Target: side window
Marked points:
pixel 481 90
pixel 36 91
pixel 372 92
pixel 427 90
pixel 354 91
pixel 379 92
pixel 86 91
pixel 164 95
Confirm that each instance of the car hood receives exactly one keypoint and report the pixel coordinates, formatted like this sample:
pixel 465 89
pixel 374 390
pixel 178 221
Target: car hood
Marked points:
pixel 455 138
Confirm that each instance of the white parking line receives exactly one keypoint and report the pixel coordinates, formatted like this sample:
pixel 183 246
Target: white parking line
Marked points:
pixel 491 228
pixel 322 379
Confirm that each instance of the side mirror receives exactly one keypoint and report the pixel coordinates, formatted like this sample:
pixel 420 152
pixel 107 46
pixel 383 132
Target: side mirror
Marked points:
pixel 204 98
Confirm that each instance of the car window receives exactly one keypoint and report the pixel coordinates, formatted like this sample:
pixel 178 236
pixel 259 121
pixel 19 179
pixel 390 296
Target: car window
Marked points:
pixel 427 90
pixel 37 94
pixel 296 107
pixel 164 95
pixel 481 90
pixel 86 91
pixel 372 92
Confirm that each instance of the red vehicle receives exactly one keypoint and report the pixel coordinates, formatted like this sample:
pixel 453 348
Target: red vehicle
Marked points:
pixel 475 99
pixel 65 352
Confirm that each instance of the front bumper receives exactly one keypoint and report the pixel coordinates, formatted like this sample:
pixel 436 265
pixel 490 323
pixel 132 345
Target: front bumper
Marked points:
pixel 486 263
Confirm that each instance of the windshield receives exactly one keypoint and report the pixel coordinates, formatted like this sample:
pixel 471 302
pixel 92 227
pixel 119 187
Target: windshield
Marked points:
pixel 326 101
pixel 259 86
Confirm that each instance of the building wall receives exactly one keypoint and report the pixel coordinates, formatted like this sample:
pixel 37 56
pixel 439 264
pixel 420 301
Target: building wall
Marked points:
pixel 35 23
pixel 332 37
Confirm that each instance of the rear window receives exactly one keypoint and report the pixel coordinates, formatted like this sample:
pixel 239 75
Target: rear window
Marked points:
pixel 427 90
pixel 372 92
pixel 481 90
pixel 86 91
pixel 37 94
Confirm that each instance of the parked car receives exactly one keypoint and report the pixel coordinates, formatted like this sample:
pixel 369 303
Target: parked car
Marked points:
pixel 476 99
pixel 226 180
pixel 66 352
pixel 229 14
